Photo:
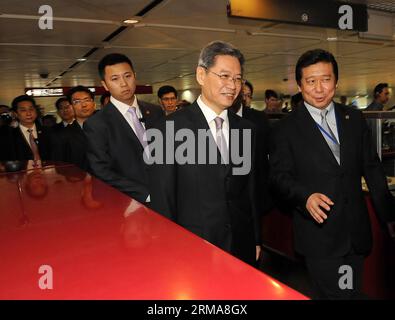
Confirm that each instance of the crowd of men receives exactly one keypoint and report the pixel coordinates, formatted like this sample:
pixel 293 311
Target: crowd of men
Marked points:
pixel 313 159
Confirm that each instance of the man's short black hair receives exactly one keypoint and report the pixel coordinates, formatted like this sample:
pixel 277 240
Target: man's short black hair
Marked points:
pixel 22 98
pixel 249 85
pixel 104 96
pixel 111 59
pixel 166 89
pixel 269 93
pixel 59 101
pixel 312 57
pixel 379 89
pixel 78 89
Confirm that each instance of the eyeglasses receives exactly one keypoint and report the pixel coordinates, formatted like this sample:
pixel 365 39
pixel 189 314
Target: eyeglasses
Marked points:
pixel 169 99
pixel 80 101
pixel 238 80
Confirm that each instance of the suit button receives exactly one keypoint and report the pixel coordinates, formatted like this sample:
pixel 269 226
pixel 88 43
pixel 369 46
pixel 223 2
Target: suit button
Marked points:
pixel 228 226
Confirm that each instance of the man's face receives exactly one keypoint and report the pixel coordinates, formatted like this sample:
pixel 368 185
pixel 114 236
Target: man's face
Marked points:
pixel 120 81
pixel 246 96
pixel 169 102
pixel 65 111
pixel 384 96
pixel 83 105
pixel 318 84
pixel 272 104
pixel 26 113
pixel 221 83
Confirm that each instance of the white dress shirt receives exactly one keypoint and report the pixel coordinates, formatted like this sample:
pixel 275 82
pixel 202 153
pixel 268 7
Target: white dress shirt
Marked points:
pixel 330 117
pixel 26 134
pixel 123 109
pixel 210 115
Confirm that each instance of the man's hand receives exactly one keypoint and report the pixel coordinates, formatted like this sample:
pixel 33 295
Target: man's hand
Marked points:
pixel 314 204
pixel 391 229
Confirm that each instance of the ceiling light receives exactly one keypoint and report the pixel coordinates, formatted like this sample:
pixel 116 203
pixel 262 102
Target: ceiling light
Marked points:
pixel 82 59
pixel 331 39
pixel 131 21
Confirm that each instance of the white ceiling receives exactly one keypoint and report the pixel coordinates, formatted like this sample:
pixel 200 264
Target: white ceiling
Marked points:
pixel 165 45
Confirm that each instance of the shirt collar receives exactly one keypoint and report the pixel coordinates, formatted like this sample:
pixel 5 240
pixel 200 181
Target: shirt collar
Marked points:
pixel 209 114
pixel 317 112
pixel 123 107
pixel 24 129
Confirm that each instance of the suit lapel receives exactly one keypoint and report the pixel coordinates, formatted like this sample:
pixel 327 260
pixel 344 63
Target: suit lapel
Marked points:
pixel 313 135
pixel 24 147
pixel 234 123
pixel 200 122
pixel 118 120
pixel 345 132
pixel 146 113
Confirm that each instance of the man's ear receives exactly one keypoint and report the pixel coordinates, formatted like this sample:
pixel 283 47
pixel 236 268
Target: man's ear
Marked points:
pixel 300 90
pixel 201 75
pixel 104 85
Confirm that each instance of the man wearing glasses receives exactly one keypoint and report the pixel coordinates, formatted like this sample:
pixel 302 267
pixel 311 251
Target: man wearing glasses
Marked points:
pixel 204 197
pixel 71 144
pixel 168 99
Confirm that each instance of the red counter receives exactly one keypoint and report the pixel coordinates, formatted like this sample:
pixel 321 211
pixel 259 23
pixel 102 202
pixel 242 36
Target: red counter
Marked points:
pixel 100 244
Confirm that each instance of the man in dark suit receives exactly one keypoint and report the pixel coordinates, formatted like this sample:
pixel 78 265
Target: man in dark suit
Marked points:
pixel 208 197
pixel 116 134
pixel 65 112
pixel 242 107
pixel 29 141
pixel 319 154
pixel 71 143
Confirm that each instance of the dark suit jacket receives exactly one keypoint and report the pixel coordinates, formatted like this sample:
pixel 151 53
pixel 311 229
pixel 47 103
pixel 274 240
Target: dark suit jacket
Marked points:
pixel 261 122
pixel 57 127
pixel 19 148
pixel 5 143
pixel 114 152
pixel 208 199
pixel 302 164
pixel 69 145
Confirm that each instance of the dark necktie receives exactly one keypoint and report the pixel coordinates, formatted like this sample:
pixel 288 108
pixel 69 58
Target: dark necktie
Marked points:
pixel 332 142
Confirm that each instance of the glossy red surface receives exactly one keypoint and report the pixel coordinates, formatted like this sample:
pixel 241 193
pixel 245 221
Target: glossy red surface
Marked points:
pixel 101 244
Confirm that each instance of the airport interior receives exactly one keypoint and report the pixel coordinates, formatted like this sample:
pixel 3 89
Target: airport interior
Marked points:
pixel 57 217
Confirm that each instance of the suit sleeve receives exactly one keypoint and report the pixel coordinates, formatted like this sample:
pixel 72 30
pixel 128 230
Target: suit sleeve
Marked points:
pixel 283 181
pixel 100 162
pixel 256 197
pixel 164 182
pixel 373 172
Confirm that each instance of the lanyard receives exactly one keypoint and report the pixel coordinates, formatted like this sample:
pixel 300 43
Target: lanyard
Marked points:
pixel 332 138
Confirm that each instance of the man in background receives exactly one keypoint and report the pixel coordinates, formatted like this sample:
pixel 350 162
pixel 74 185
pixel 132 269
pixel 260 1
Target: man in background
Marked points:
pixel 168 99
pixel 381 96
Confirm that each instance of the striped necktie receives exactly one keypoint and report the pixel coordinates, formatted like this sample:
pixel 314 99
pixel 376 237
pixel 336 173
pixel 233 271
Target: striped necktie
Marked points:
pixel 220 140
pixel 33 145
pixel 332 141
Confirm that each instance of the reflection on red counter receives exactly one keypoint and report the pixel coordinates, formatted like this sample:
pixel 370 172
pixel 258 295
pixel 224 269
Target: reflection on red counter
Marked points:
pixel 101 244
